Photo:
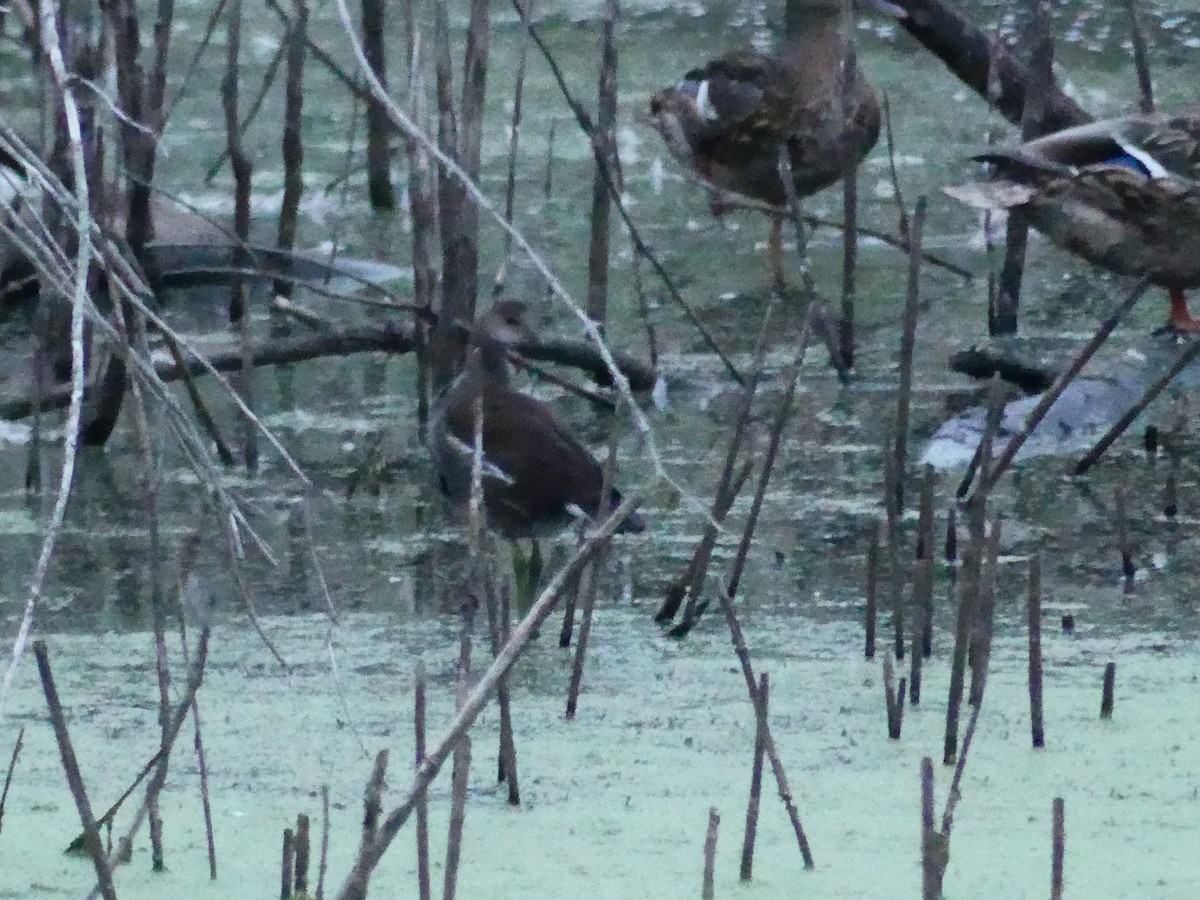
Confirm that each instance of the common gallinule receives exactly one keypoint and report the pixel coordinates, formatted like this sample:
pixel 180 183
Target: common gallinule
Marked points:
pixel 537 476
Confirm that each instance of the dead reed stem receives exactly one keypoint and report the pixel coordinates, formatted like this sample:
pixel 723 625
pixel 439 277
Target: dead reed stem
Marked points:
pixel 239 162
pixel 1035 651
pixel 756 769
pixel 423 883
pixel 372 850
pixel 1185 358
pixel 458 813
pixel 291 144
pixel 379 125
pixel 323 865
pixel 1002 317
pixel 985 614
pixel 690 584
pixel 968 603
pixel 908 337
pixel 1121 512
pixel 710 852
pixel 514 141
pixel 1140 57
pixel 70 765
pixel 764 727
pixel 508 744
pixel 149 490
pixel 893 702
pixel 587 581
pixel 922 607
pixel 849 196
pixel 1058 847
pixel 605 148
pixel 872 613
pixel 892 533
pixel 8 775
pixel 791 378
pixel 186 558
pixel 506 760
pixel 933 855
pixel 1106 697
pixel 925 516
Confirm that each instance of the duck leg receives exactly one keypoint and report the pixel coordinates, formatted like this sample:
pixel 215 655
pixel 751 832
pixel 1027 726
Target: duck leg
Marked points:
pixel 1181 320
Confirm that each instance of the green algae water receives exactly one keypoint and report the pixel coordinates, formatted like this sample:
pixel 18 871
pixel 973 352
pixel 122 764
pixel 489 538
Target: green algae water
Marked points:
pixel 616 802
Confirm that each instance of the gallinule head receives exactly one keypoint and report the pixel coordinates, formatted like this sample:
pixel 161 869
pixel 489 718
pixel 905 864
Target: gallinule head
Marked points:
pixel 727 118
pixel 537 476
pixel 1122 193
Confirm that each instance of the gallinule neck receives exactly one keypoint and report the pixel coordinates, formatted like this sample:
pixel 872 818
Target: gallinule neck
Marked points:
pixel 727 118
pixel 537 476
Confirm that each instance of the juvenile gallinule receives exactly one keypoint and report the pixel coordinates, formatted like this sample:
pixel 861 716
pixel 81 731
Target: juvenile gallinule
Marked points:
pixel 537 476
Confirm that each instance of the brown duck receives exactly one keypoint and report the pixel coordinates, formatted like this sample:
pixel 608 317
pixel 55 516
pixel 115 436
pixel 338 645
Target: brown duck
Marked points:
pixel 1122 193
pixel 537 476
pixel 727 118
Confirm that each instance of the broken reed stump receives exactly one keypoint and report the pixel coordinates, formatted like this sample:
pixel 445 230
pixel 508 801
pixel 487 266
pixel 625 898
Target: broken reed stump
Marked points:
pixel 764 694
pixel 893 699
pixel 302 844
pixel 287 870
pixel 710 852
pixel 1106 695
pixel 1058 848
pixel 1035 652
pixel 934 845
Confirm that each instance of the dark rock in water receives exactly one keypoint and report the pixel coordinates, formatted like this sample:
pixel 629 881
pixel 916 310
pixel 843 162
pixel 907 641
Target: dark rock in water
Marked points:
pixel 1085 411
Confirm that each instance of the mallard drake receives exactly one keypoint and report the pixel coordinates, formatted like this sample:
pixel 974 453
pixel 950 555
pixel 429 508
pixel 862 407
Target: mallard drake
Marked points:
pixel 726 119
pixel 537 476
pixel 1122 193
